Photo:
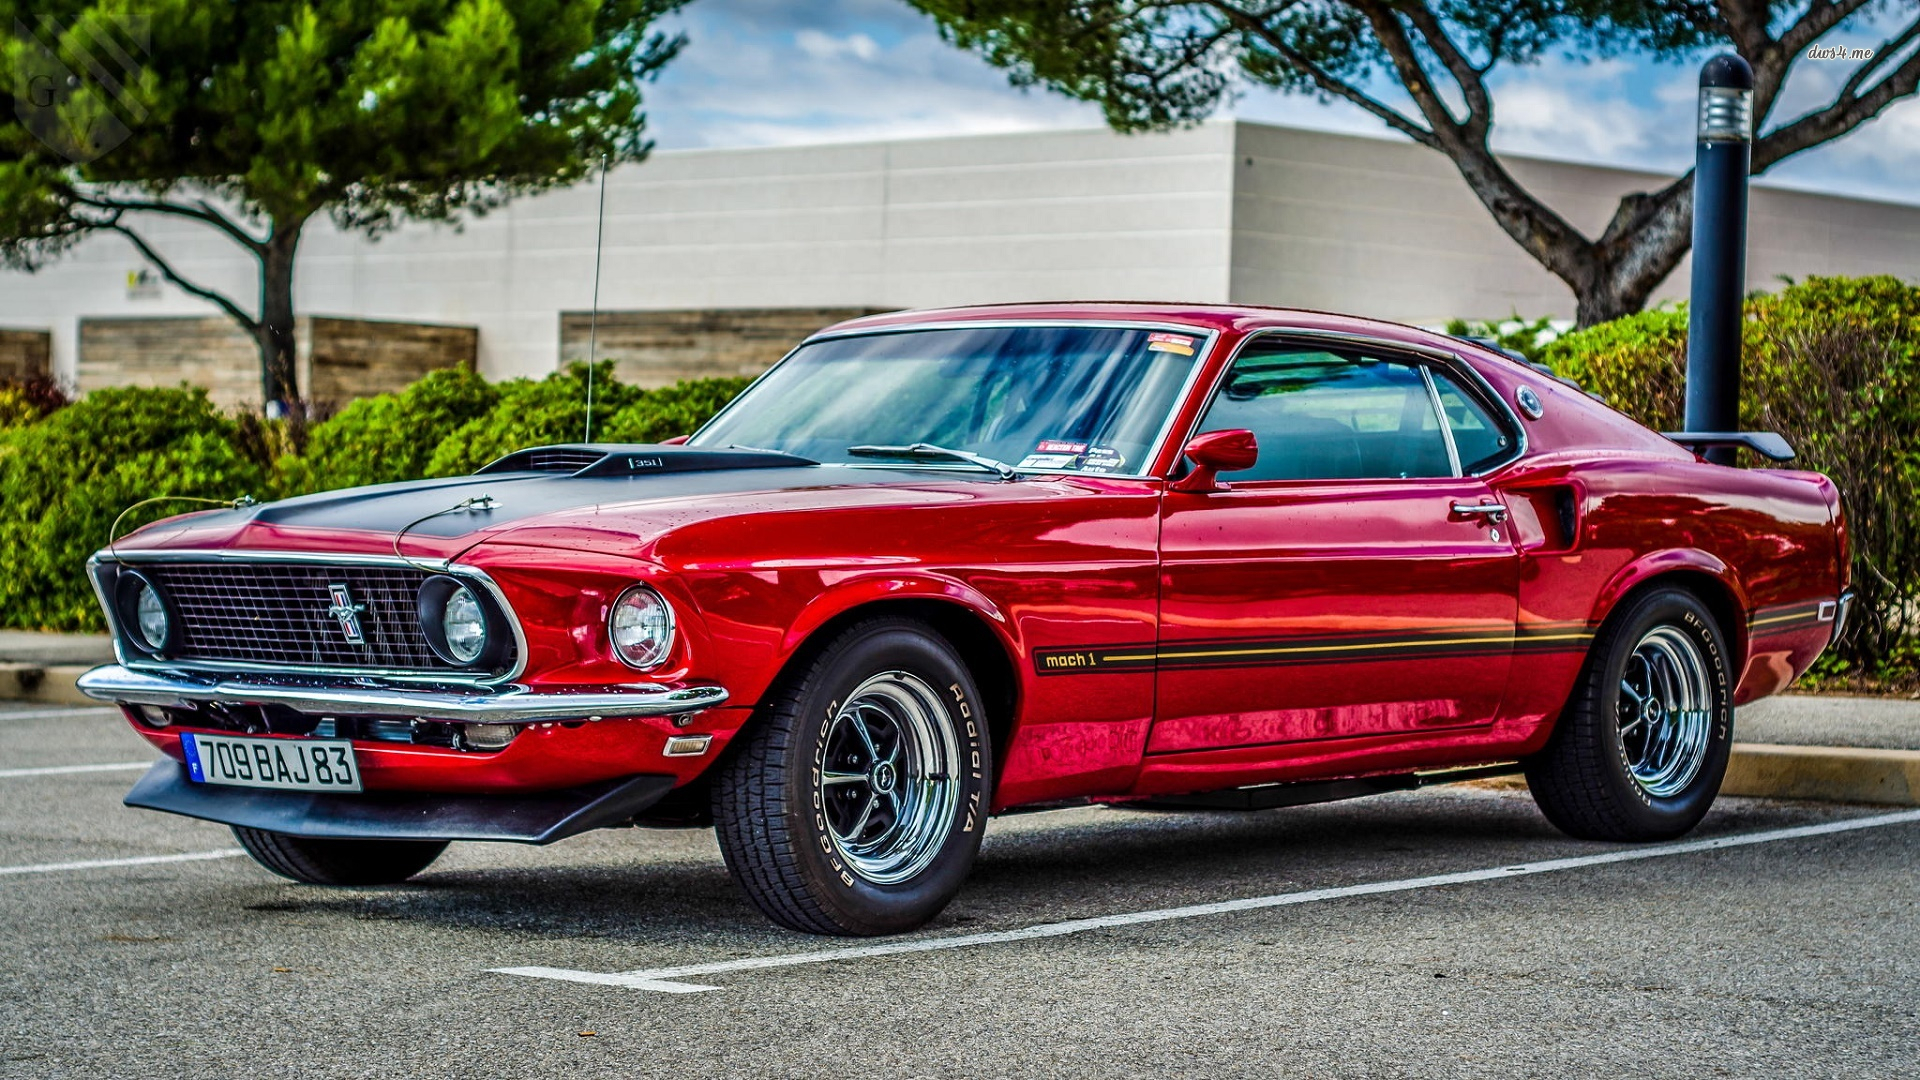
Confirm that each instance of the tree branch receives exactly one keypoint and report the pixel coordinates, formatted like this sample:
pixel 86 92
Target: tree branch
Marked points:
pixel 1771 59
pixel 246 321
pixel 1323 79
pixel 1887 50
pixel 1845 114
pixel 1819 18
pixel 1413 74
pixel 1473 88
pixel 203 213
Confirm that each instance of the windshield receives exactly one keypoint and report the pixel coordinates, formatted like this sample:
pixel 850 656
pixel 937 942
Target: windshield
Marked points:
pixel 1045 398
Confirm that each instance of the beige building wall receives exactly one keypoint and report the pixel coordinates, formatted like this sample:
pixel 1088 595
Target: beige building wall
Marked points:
pixel 337 359
pixel 660 348
pixel 1226 210
pixel 25 354
pixel 1389 229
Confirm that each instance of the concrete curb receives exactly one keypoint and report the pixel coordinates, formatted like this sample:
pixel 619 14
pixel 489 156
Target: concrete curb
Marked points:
pixel 1824 773
pixel 49 684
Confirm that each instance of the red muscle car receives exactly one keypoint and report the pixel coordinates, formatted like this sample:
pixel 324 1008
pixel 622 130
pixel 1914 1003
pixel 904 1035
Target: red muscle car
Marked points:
pixel 934 566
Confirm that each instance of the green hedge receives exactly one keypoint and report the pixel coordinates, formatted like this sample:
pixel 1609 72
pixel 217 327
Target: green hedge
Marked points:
pixel 1833 364
pixel 65 479
pixel 65 474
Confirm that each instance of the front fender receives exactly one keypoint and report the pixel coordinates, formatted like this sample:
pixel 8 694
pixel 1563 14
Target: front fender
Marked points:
pixel 843 597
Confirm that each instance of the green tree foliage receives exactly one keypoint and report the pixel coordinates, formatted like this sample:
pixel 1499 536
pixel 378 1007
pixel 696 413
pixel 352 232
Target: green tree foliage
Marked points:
pixel 1158 63
pixel 65 479
pixel 1833 364
pixel 253 119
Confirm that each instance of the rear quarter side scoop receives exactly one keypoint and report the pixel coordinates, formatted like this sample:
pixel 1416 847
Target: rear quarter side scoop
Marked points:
pixel 637 459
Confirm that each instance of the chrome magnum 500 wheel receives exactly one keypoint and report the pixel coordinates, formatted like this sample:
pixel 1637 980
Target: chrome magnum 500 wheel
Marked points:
pixel 1641 747
pixel 856 803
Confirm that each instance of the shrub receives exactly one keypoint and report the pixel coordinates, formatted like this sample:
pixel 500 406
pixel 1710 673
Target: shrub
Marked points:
pixel 672 410
pixel 24 401
pixel 532 413
pixel 1518 335
pixel 1833 364
pixel 388 437
pixel 67 477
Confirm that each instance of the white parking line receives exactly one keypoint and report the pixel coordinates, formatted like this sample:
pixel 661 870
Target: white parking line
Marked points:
pixel 56 770
pixel 54 714
pixel 142 860
pixel 665 979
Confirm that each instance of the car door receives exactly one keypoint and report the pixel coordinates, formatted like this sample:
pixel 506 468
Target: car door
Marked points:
pixel 1356 581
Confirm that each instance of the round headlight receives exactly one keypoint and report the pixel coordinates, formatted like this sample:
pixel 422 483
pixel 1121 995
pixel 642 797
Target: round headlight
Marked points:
pixel 150 617
pixel 641 626
pixel 463 625
pixel 144 617
pixel 456 623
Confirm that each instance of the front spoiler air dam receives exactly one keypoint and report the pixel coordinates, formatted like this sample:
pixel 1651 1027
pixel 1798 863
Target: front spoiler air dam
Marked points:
pixel 507 705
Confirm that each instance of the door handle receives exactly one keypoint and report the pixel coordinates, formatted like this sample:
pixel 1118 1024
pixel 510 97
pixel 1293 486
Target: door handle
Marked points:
pixel 1492 511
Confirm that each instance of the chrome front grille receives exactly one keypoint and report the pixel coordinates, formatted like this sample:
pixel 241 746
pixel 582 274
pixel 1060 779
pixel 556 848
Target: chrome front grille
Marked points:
pixel 273 614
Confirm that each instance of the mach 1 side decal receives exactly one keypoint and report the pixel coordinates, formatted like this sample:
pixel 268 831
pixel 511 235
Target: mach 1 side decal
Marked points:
pixel 1772 620
pixel 1453 641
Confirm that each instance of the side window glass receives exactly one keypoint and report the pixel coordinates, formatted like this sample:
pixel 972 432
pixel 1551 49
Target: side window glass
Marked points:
pixel 1478 435
pixel 1323 415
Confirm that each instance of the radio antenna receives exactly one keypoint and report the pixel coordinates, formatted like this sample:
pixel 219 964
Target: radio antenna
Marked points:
pixel 593 319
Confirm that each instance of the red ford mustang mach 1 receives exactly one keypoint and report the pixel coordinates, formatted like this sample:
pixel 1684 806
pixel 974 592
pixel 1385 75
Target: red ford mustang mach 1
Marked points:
pixel 939 565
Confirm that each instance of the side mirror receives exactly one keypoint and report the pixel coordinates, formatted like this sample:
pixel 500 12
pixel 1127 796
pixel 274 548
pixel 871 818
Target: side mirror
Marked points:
pixel 1215 452
pixel 675 441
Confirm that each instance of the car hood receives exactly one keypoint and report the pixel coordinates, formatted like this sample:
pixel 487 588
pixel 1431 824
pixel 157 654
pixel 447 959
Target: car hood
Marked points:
pixel 612 511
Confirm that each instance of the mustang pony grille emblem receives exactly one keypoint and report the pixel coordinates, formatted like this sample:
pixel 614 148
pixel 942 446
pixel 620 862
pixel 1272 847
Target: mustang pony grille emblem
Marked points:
pixel 347 612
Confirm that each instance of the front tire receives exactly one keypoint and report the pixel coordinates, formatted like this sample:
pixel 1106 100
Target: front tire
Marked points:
pixel 312 861
pixel 856 804
pixel 1642 746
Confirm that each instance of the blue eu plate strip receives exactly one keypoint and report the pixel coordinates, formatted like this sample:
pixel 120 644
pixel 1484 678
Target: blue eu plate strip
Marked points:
pixel 193 757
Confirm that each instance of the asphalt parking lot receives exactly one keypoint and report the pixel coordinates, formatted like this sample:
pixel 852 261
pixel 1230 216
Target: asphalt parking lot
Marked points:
pixel 1788 945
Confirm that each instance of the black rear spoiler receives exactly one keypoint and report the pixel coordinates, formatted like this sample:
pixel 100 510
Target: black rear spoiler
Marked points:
pixel 1765 443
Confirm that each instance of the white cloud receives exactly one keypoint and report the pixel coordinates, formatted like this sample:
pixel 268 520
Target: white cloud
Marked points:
pixel 823 46
pixel 1534 117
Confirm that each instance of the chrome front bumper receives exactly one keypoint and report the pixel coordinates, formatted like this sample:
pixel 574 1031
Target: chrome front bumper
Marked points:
pixel 505 705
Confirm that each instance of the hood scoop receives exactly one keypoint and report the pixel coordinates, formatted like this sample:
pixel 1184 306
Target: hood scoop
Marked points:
pixel 636 459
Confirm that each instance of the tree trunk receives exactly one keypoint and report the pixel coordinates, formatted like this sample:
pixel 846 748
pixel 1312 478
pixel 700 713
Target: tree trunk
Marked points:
pixel 279 383
pixel 1649 234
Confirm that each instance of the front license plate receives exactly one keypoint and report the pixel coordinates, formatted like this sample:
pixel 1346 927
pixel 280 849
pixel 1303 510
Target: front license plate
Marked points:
pixel 285 764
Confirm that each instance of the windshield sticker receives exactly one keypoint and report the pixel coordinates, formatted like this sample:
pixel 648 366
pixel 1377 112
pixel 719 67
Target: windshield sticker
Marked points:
pixel 1103 459
pixel 1059 446
pixel 1048 461
pixel 1173 343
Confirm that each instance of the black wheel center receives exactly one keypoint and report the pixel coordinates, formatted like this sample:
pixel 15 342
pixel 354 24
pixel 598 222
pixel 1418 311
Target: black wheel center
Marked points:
pixel 884 777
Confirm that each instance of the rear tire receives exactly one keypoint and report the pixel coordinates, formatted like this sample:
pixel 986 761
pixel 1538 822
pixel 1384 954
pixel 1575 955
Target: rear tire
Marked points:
pixel 1642 745
pixel 856 803
pixel 338 862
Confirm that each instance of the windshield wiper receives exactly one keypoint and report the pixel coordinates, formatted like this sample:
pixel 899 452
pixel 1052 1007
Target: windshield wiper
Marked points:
pixel 939 453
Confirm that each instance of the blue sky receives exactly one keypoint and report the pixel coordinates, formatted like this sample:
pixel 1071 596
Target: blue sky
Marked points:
pixel 781 72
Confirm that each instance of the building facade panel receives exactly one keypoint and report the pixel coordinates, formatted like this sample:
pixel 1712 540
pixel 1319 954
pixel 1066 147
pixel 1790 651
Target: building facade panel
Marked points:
pixel 1223 211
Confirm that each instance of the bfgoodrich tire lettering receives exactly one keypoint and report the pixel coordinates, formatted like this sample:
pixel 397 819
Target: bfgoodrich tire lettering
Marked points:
pixel 857 802
pixel 1642 745
pixel 338 862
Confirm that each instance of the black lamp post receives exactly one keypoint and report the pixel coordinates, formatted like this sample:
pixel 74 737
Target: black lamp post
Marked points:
pixel 1723 155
